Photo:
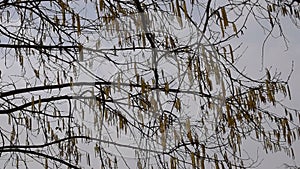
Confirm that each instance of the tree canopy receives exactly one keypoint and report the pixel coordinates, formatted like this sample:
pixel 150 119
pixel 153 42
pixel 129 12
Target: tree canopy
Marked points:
pixel 139 84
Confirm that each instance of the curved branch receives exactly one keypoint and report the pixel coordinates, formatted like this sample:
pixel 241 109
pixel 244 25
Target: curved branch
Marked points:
pixel 13 149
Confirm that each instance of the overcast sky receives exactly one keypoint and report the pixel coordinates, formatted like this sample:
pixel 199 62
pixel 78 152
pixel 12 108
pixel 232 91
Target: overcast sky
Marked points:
pixel 277 56
pixel 281 60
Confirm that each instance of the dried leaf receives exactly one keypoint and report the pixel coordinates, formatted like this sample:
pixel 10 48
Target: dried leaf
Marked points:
pixel 164 140
pixel 172 42
pixel 224 16
pixel 178 104
pixel 190 136
pixel 37 73
pixel 216 161
pixel 101 5
pixel 167 88
pixel 78 24
pixel 13 134
pixel 203 150
pixel 32 103
pixel 178 9
pixel 139 164
pixel 202 164
pixel 57 78
pixel 7 16
pixel 185 9
pixel 40 103
pixel 188 124
pixel 80 49
pixel 143 85
pixel 173 162
pixel 234 28
pixel 270 19
pixel 21 60
pixel 107 91
pixel 154 105
pixel 222 28
pixel 193 159
pixel 231 54
pixel 71 82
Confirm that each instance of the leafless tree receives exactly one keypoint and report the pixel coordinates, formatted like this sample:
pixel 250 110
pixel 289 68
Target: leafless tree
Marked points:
pixel 147 84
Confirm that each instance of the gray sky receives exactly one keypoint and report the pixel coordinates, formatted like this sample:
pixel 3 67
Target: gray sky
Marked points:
pixel 279 58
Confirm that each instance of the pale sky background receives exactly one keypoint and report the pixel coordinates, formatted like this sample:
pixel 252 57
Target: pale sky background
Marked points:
pixel 277 56
pixel 280 60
